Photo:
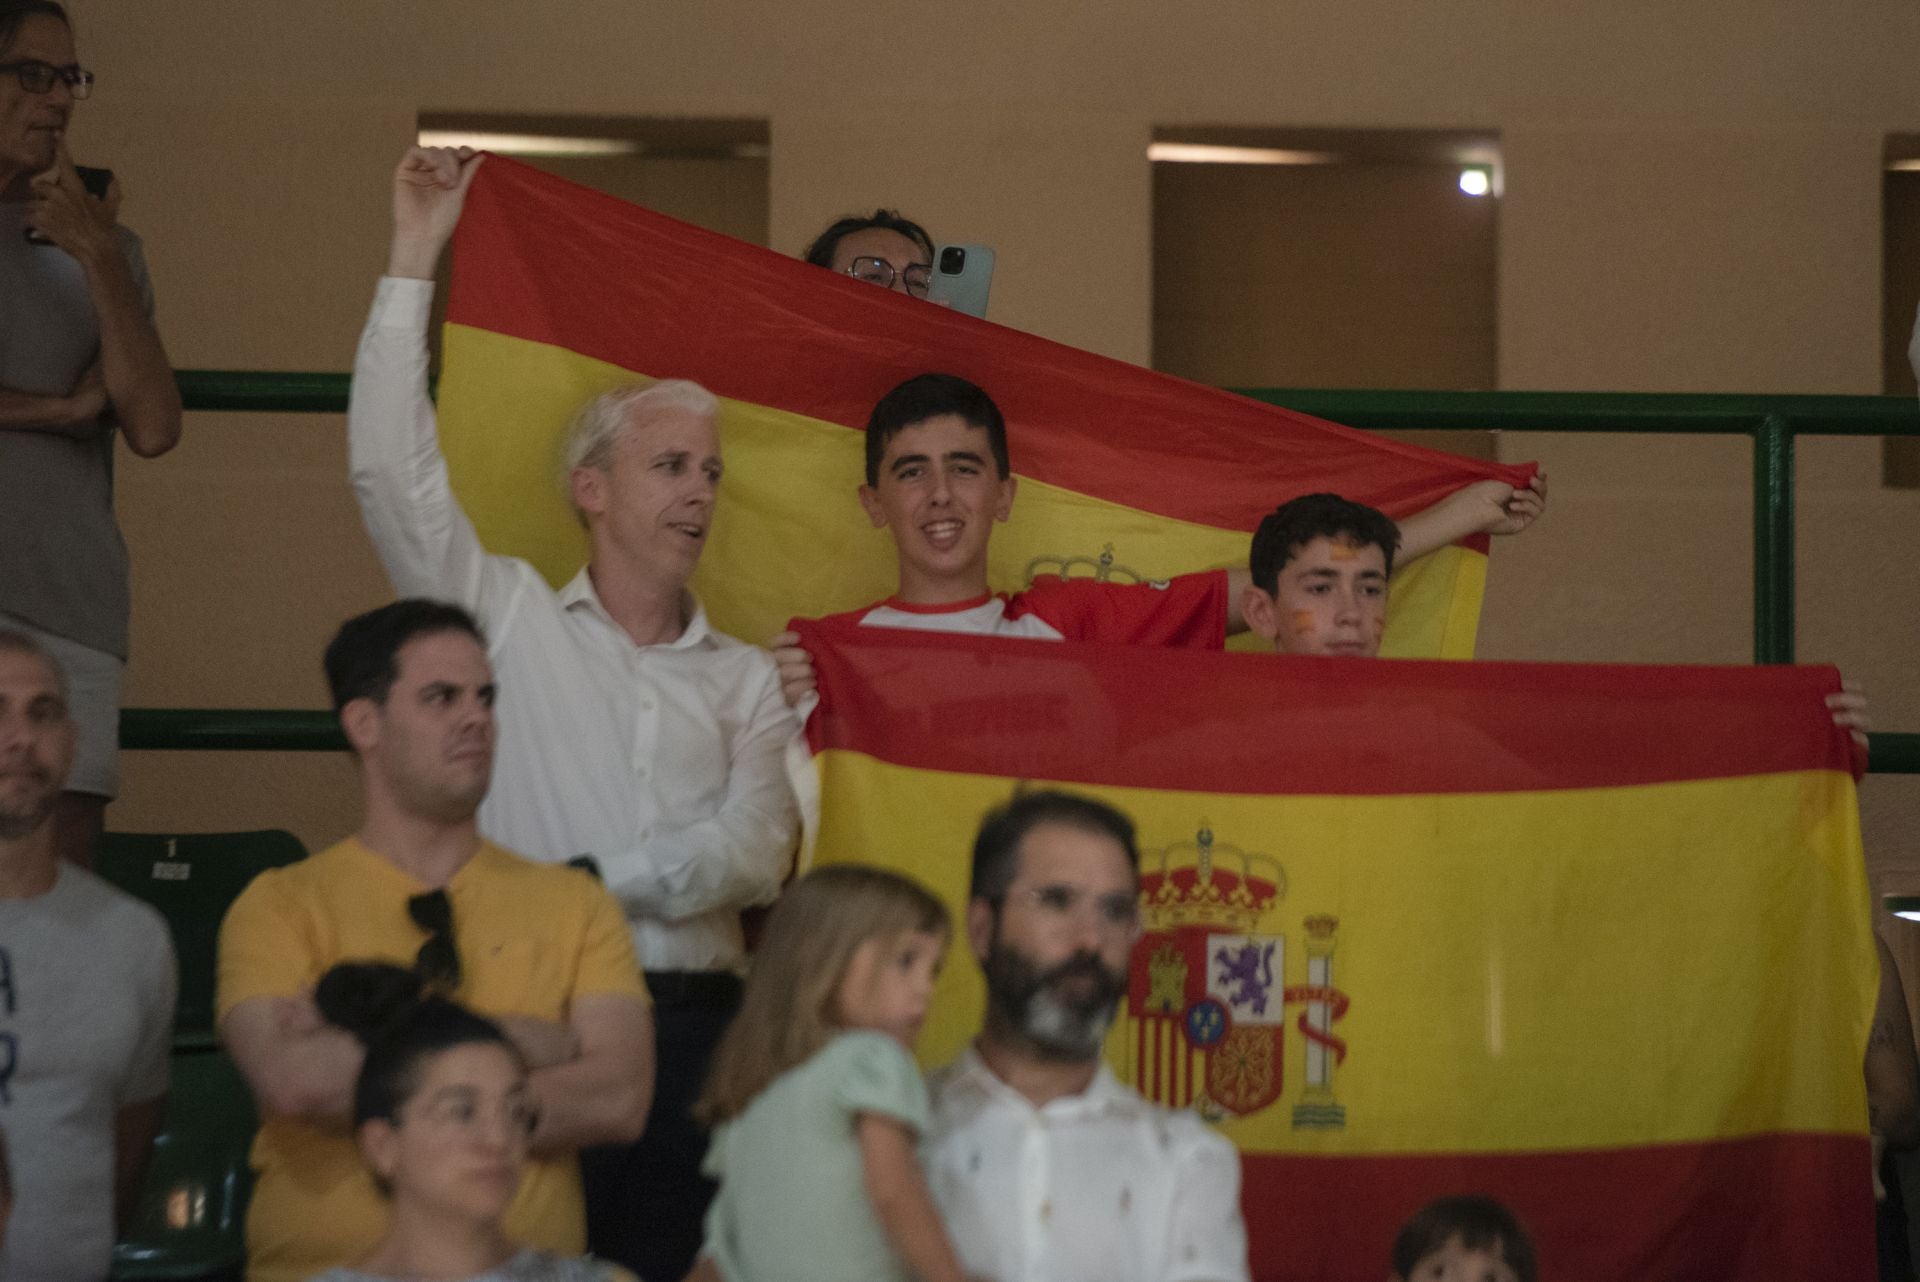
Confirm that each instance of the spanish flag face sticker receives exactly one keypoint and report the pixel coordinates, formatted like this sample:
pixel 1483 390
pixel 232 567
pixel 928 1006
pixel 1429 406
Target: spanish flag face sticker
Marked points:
pixel 560 293
pixel 1592 940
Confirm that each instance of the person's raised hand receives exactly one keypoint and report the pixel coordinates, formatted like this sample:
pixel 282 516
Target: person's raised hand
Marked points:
pixel 60 207
pixel 796 668
pixel 1520 507
pixel 429 189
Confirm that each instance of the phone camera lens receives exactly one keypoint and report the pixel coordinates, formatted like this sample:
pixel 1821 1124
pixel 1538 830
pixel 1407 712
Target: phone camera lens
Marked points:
pixel 953 260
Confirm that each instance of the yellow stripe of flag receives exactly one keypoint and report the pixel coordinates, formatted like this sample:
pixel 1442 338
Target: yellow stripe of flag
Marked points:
pixel 789 537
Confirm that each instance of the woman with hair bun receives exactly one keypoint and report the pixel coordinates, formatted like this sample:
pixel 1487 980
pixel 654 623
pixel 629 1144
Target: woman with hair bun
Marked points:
pixel 443 1115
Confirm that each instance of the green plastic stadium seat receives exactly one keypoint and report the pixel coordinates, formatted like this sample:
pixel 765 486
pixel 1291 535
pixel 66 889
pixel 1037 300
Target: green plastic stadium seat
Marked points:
pixel 192 1217
pixel 192 879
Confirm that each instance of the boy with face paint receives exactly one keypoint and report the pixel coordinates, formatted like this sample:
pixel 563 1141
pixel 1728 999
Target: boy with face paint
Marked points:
pixel 1317 584
pixel 1318 577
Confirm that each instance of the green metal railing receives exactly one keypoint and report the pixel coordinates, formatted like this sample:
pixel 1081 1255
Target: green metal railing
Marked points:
pixel 1772 423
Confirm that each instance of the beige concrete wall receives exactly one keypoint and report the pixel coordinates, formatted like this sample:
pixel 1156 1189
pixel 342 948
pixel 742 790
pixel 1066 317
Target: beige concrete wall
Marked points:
pixel 1692 203
pixel 1334 275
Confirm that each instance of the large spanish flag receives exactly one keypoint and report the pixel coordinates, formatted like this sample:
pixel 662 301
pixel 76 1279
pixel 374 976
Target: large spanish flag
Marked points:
pixel 560 292
pixel 1593 940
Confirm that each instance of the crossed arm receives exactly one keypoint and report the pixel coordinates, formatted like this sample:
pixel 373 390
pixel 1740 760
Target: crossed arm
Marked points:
pixel 592 1074
pixel 131 376
pixel 75 414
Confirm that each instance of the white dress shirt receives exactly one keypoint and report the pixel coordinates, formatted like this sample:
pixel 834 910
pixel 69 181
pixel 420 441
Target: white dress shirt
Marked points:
pixel 663 762
pixel 1102 1186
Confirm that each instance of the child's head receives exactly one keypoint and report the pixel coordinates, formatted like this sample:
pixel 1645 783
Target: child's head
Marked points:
pixel 938 479
pixel 931 396
pixel 441 1108
pixel 847 947
pixel 1463 1239
pixel 1320 565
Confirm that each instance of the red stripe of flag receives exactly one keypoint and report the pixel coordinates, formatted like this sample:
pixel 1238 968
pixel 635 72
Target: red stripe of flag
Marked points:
pixel 571 267
pixel 1256 724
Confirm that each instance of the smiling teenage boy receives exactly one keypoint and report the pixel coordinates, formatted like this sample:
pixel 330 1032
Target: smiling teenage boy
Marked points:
pixel 939 478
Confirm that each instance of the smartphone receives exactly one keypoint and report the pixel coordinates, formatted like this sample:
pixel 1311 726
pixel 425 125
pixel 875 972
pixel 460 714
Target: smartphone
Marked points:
pixel 96 181
pixel 962 275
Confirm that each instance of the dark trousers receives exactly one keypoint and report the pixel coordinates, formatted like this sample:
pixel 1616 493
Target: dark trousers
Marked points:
pixel 647 1202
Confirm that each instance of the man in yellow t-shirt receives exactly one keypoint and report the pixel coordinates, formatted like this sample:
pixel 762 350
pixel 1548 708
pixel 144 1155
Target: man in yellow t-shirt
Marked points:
pixel 542 949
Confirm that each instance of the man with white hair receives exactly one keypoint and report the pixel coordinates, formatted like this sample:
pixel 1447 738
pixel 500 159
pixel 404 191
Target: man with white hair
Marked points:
pixel 630 732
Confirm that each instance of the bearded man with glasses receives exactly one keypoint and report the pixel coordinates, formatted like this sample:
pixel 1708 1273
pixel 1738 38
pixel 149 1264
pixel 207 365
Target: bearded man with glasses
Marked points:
pixel 1044 1165
pixel 543 950
pixel 79 359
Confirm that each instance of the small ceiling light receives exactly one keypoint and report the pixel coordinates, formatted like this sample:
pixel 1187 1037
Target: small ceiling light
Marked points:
pixel 1476 182
pixel 1904 906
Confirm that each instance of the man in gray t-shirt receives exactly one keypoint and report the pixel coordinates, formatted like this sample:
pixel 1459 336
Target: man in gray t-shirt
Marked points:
pixel 79 359
pixel 86 1004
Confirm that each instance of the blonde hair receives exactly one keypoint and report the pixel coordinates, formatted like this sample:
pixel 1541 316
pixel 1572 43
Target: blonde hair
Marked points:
pixel 812 934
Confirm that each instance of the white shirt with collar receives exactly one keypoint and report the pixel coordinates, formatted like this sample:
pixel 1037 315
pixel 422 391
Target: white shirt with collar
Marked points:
pixel 1102 1186
pixel 663 762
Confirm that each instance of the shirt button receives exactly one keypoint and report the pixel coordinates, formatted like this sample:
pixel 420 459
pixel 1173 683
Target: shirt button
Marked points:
pixel 646 705
pixel 640 771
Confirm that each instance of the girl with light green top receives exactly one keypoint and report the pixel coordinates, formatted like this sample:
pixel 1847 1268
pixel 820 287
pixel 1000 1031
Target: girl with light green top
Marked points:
pixel 816 1100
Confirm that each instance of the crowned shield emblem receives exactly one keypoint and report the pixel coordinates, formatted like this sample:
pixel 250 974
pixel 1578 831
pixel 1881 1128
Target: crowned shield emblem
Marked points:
pixel 1206 994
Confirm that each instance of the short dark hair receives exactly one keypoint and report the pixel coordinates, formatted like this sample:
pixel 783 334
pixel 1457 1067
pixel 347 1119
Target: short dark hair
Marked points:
pixel 388 1009
pixel 926 396
pixel 820 252
pixel 1481 1224
pixel 1298 522
pixel 996 848
pixel 15 12
pixel 360 660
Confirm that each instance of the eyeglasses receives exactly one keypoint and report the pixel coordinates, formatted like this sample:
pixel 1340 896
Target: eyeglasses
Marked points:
pixel 878 271
pixel 460 1110
pixel 39 77
pixel 438 961
pixel 1116 911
